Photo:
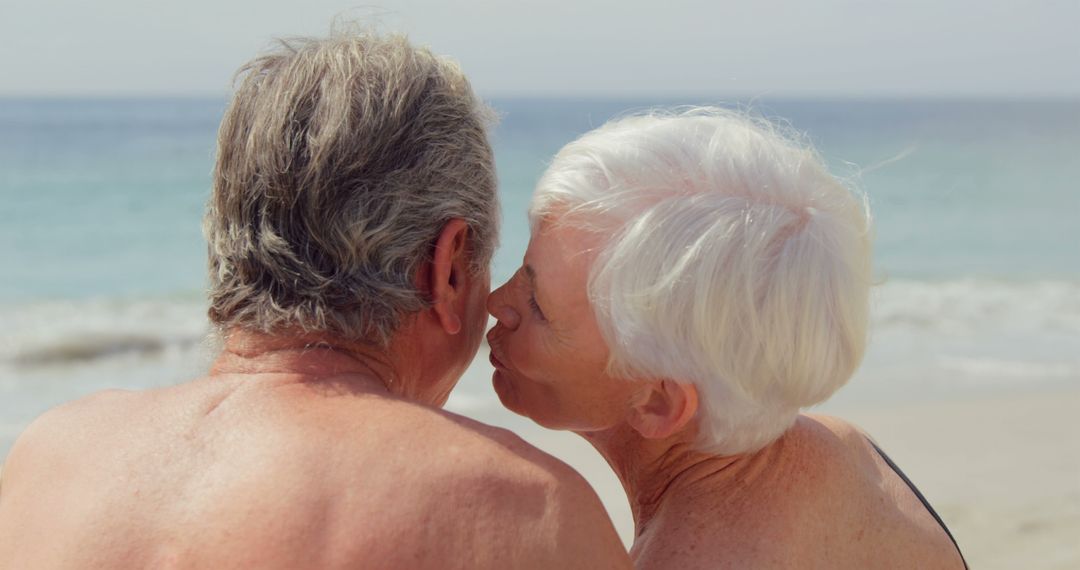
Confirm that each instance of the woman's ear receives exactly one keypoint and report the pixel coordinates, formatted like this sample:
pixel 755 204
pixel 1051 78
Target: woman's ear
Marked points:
pixel 446 276
pixel 663 408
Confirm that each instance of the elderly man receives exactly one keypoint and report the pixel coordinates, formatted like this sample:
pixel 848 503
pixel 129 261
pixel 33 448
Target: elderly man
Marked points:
pixel 352 220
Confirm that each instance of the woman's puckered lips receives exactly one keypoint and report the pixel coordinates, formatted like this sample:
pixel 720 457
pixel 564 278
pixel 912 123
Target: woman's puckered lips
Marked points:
pixel 493 355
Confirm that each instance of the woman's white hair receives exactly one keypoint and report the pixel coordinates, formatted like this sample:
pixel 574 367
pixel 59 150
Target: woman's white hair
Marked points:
pixel 735 262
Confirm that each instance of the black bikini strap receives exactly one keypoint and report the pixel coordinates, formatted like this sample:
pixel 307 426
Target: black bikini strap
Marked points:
pixel 920 496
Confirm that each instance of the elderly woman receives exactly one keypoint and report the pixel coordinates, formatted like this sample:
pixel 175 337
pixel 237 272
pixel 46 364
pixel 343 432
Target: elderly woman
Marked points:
pixel 693 281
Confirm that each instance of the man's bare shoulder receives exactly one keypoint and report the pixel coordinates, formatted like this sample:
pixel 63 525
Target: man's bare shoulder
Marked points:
pixel 62 427
pixel 516 505
pixel 88 407
pixel 493 447
pixel 480 460
pixel 397 479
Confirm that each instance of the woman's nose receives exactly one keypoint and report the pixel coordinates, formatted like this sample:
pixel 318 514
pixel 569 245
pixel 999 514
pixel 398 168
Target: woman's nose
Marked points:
pixel 501 310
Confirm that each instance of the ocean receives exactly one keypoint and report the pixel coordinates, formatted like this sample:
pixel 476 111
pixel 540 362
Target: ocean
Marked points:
pixel 976 205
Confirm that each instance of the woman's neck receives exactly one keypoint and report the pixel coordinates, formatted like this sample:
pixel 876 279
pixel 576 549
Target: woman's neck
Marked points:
pixel 659 473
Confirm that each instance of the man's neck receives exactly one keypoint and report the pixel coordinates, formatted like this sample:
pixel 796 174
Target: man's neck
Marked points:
pixel 295 358
pixel 659 473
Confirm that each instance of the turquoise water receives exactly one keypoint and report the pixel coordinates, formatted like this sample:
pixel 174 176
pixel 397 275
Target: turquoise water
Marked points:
pixel 986 189
pixel 978 237
pixel 104 198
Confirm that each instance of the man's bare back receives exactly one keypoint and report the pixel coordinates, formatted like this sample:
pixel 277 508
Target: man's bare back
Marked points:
pixel 350 227
pixel 275 472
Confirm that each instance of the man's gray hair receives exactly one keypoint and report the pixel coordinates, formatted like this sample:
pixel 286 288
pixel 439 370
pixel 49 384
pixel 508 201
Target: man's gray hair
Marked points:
pixel 339 161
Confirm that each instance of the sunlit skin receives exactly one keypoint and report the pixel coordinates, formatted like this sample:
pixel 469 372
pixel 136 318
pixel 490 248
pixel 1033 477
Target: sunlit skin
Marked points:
pixel 557 353
pixel 818 497
pixel 304 451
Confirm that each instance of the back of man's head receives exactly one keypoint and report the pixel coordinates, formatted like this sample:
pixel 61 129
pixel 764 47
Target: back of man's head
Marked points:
pixel 339 162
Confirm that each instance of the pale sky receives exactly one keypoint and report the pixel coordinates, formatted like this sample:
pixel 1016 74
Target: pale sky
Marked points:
pixel 603 48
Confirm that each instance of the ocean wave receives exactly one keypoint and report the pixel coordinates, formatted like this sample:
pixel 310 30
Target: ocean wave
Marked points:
pixel 79 332
pixel 94 346
pixel 973 305
pixel 1010 368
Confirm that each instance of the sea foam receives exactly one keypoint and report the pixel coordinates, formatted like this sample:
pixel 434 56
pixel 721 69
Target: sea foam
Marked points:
pixel 74 333
pixel 973 305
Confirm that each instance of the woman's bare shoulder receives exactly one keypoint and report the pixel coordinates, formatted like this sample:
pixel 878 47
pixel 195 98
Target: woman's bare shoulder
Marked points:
pixel 878 503
pixel 837 427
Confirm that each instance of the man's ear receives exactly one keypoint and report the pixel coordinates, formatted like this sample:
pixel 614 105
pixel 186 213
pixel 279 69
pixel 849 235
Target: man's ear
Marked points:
pixel 663 408
pixel 446 276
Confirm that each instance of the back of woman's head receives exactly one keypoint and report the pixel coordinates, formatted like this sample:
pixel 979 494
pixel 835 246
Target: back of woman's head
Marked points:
pixel 736 263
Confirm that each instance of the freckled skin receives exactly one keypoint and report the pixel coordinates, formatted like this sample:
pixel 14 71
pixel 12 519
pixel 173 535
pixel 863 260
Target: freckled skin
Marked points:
pixel 819 497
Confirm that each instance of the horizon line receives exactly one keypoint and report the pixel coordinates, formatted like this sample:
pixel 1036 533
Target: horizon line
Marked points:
pixel 597 97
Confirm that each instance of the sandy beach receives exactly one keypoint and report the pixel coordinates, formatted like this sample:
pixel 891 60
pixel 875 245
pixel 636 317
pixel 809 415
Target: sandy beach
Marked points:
pixel 1003 472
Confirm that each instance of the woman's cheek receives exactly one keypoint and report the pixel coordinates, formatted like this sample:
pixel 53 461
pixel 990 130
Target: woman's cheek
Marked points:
pixel 529 358
pixel 524 360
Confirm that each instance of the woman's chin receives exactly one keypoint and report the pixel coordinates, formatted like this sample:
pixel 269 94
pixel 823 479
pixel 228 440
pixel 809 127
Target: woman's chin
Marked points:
pixel 510 397
pixel 505 391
